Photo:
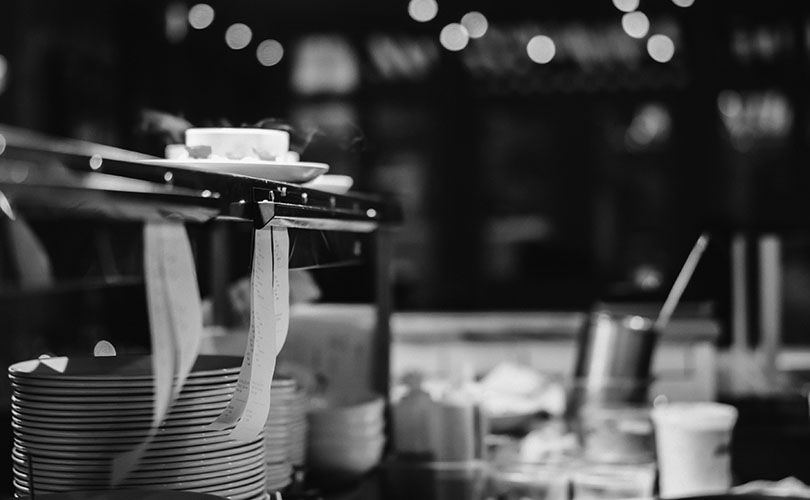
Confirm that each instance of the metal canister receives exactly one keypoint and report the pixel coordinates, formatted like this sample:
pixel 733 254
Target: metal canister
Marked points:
pixel 614 360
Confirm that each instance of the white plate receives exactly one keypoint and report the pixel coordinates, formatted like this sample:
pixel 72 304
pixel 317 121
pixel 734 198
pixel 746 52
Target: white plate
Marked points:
pixel 106 423
pixel 103 388
pixel 122 397
pixel 181 482
pixel 91 409
pixel 104 437
pixel 148 462
pixel 270 170
pixel 115 368
pixel 336 184
pixel 213 466
pixel 186 450
pixel 238 490
pixel 118 494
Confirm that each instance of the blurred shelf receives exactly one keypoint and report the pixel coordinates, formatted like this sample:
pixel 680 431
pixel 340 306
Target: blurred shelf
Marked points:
pixel 66 178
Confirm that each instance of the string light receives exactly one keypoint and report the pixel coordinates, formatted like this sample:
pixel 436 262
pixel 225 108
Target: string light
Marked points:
pixel 661 48
pixel 200 16
pixel 454 37
pixel 269 52
pixel 423 10
pixel 476 24
pixel 541 49
pixel 626 5
pixel 636 24
pixel 238 36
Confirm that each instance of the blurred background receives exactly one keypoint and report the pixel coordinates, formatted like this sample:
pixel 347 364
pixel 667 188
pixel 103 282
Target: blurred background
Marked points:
pixel 548 155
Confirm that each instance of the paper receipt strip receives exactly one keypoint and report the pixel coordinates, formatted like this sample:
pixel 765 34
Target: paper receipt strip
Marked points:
pixel 270 313
pixel 175 320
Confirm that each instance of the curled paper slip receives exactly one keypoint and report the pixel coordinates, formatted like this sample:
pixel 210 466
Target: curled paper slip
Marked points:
pixel 175 321
pixel 270 312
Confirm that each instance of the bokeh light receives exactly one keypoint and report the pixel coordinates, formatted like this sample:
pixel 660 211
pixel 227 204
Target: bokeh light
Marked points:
pixel 636 24
pixel 683 3
pixel 661 48
pixel 454 37
pixel 238 36
pixel 476 24
pixel 3 74
pixel 730 103
pixel 96 161
pixel 541 49
pixel 423 10
pixel 626 5
pixel 269 52
pixel 200 16
pixel 175 22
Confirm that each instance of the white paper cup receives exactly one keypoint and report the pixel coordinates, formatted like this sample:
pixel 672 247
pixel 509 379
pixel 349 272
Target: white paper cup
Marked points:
pixel 693 442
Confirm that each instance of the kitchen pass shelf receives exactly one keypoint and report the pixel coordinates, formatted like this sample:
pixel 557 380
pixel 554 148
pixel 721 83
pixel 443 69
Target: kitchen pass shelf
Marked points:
pixel 68 178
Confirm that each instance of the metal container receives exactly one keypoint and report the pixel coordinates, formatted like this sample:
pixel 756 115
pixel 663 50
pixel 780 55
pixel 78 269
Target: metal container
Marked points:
pixel 614 359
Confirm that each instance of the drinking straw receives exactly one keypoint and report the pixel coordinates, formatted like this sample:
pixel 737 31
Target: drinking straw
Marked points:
pixel 681 281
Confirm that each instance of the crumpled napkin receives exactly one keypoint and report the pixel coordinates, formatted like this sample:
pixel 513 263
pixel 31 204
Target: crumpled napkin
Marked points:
pixel 788 487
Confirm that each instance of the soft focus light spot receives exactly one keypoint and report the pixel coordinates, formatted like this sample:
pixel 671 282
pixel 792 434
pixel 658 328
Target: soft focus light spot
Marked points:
pixel 206 193
pixel 454 37
pixel 626 5
pixel 269 52
pixel 683 3
pixel 19 173
pixel 371 213
pixel 637 323
pixel 3 73
pixel 660 400
pixel 2 143
pixel 541 49
pixel 730 103
pixel 647 277
pixel 95 162
pixel 661 48
pixel 168 176
pixel 423 10
pixel 238 36
pixel 636 24
pixel 476 24
pixel 175 22
pixel 201 16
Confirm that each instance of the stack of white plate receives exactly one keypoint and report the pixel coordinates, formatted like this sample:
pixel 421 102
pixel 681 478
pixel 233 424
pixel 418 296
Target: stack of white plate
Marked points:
pixel 71 416
pixel 285 430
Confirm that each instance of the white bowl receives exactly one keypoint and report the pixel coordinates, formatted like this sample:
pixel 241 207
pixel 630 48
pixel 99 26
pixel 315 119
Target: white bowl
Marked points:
pixel 354 457
pixel 348 431
pixel 372 440
pixel 367 411
pixel 240 143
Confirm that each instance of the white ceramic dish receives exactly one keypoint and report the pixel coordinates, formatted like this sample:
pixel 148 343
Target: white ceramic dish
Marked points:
pixel 149 462
pixel 212 466
pixel 122 397
pixel 239 143
pixel 107 423
pixel 178 482
pixel 102 437
pixel 89 409
pixel 269 170
pixel 122 494
pixel 335 184
pixel 141 387
pixel 115 368
pixel 184 450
